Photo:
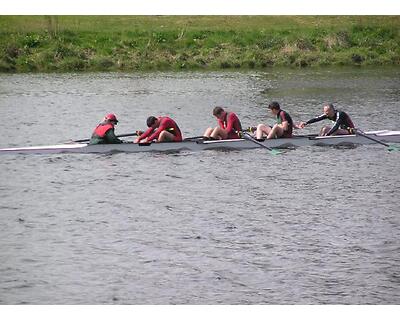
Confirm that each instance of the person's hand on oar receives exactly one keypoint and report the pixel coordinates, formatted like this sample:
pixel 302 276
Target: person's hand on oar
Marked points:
pixel 247 136
pixel 251 129
pixel 390 147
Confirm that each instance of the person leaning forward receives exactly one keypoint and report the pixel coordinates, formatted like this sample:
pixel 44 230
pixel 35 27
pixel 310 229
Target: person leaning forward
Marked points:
pixel 342 122
pixel 229 125
pixel 283 127
pixel 104 132
pixel 161 129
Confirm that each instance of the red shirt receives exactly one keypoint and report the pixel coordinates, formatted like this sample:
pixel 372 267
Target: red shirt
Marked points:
pixel 166 123
pixel 231 124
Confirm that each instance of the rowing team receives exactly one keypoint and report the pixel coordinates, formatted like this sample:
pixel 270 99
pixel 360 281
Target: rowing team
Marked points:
pixel 165 129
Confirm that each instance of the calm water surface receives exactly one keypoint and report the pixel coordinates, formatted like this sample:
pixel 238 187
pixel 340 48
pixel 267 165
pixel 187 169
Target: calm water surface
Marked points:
pixel 316 225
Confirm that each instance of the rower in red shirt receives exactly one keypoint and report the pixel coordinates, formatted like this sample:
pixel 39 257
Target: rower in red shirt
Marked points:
pixel 161 129
pixel 229 125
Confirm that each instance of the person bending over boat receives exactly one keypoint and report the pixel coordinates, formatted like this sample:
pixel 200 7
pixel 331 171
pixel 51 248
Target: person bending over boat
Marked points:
pixel 229 125
pixel 161 129
pixel 283 127
pixel 342 122
pixel 104 132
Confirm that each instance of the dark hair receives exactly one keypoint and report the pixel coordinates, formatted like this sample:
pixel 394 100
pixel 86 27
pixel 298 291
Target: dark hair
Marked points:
pixel 217 111
pixel 330 105
pixel 151 120
pixel 274 105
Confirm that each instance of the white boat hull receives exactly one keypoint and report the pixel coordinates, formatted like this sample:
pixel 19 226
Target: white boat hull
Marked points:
pixel 237 144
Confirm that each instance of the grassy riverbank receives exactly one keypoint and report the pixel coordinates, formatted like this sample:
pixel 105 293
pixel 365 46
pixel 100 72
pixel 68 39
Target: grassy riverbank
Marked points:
pixel 129 43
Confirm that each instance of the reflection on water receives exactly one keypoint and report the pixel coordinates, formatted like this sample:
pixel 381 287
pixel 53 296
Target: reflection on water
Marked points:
pixel 315 225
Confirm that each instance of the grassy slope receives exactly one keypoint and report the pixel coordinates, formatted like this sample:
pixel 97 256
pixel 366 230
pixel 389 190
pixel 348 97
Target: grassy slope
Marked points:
pixel 79 43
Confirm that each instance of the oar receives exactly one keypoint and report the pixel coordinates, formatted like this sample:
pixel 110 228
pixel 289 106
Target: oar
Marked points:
pixel 390 147
pixel 118 136
pixel 250 138
pixel 194 138
pixel 249 129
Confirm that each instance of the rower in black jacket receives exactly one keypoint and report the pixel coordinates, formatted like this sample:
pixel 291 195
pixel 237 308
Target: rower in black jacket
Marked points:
pixel 342 122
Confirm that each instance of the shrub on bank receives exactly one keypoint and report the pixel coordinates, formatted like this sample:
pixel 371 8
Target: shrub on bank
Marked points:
pixel 183 48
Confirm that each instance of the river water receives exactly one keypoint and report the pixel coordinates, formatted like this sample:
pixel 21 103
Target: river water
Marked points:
pixel 316 225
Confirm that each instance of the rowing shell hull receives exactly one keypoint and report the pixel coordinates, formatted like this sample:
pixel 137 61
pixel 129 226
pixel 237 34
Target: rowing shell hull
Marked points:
pixel 237 144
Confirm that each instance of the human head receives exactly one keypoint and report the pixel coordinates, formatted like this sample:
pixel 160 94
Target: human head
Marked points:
pixel 275 107
pixel 219 112
pixel 329 110
pixel 111 118
pixel 151 121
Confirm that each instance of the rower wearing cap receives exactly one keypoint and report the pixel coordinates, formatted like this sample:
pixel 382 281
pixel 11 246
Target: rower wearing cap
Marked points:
pixel 104 132
pixel 229 125
pixel 342 122
pixel 161 129
pixel 283 127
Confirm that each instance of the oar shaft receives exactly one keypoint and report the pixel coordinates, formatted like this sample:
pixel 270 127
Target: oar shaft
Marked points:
pixel 370 138
pixel 127 135
pixel 249 137
pixel 81 140
pixel 118 136
pixel 194 138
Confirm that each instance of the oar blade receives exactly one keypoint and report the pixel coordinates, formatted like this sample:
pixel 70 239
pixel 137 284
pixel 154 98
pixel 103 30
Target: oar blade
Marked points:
pixel 275 152
pixel 393 148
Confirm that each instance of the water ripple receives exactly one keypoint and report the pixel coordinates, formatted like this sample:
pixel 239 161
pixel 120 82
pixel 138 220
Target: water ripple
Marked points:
pixel 316 226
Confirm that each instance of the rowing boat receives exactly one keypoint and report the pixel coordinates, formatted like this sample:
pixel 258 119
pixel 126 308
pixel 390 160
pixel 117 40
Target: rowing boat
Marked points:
pixel 198 145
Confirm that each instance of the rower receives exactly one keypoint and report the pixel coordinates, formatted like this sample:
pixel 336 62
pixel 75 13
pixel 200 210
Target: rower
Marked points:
pixel 229 125
pixel 167 131
pixel 104 132
pixel 283 127
pixel 342 122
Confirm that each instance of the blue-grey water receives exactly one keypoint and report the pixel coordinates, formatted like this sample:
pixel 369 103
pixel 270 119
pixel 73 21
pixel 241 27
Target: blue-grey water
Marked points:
pixel 316 225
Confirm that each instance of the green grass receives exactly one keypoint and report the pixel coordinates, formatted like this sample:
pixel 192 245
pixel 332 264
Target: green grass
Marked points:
pixel 129 43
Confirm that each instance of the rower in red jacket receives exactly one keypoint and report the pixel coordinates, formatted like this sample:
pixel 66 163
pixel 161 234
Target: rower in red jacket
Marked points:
pixel 229 125
pixel 161 129
pixel 104 132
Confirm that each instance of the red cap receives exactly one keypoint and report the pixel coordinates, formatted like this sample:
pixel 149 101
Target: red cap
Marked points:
pixel 111 117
